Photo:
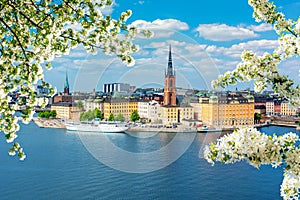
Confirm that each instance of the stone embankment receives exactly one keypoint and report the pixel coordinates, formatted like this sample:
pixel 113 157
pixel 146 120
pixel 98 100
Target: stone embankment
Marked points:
pixel 162 129
pixel 49 123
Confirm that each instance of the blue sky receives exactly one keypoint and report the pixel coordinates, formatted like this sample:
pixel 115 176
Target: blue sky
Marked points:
pixel 207 38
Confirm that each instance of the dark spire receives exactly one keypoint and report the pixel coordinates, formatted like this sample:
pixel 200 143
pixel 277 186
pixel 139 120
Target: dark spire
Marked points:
pixel 67 81
pixel 66 86
pixel 170 70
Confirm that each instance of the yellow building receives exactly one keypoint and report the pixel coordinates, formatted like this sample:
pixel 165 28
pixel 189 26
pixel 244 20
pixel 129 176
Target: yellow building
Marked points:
pixel 168 115
pixel 119 106
pixel 287 110
pixel 227 110
pixel 66 111
pixel 185 113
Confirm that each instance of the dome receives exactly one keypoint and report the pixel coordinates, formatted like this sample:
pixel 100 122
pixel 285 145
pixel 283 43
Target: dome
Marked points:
pixel 89 99
pixel 97 100
pixel 213 97
pixel 250 97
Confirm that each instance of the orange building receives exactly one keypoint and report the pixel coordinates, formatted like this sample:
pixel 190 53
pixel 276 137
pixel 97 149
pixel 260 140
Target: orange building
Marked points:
pixel 227 110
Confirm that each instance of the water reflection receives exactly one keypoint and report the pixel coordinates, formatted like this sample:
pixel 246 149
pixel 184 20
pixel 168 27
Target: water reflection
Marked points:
pixel 134 154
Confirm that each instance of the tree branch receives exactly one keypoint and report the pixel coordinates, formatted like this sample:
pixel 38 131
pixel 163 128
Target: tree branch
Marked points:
pixel 49 14
pixel 34 23
pixel 292 32
pixel 16 36
pixel 34 5
pixel 81 41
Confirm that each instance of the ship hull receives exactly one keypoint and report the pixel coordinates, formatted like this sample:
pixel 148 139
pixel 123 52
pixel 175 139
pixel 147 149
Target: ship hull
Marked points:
pixel 104 128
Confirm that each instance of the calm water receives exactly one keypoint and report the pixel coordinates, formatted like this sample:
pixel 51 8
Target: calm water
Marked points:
pixel 59 166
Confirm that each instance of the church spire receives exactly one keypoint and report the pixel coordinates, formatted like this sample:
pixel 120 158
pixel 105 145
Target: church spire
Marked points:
pixel 170 70
pixel 66 86
pixel 170 83
pixel 67 81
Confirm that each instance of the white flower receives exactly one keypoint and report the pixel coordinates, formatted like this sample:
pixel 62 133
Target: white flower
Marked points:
pixel 11 138
pixel 12 153
pixel 23 157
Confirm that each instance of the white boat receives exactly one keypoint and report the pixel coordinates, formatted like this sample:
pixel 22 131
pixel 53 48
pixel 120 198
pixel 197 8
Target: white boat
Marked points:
pixel 101 127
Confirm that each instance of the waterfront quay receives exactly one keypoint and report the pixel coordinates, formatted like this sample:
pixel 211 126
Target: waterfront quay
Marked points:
pixel 49 123
pixel 57 123
pixel 163 129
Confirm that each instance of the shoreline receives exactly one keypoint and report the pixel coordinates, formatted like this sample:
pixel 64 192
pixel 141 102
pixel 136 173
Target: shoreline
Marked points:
pixel 49 123
pixel 167 130
pixel 56 123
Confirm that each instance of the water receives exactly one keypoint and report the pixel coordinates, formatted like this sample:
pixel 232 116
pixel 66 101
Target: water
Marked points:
pixel 59 166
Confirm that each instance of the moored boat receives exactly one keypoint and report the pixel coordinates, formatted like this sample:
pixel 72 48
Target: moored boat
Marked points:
pixel 101 127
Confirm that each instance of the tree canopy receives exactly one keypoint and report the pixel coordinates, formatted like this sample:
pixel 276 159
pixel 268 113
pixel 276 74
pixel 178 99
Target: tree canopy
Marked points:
pixel 120 118
pixel 98 114
pixel 111 117
pixel 33 33
pixel 134 116
pixel 247 143
pixel 47 114
pixel 91 115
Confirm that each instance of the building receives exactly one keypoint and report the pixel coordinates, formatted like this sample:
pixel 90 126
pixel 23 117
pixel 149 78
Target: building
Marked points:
pixel 93 103
pixel 270 107
pixel 168 115
pixel 170 83
pixel 154 108
pixel 185 113
pixel 227 110
pixel 42 91
pixel 124 107
pixel 260 109
pixel 110 88
pixel 149 110
pixel 143 109
pixel 67 111
pixel 286 109
pixel 65 96
pixel 169 111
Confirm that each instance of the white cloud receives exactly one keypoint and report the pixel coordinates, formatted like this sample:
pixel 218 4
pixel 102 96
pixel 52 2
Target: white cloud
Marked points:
pixel 235 51
pixel 223 32
pixel 109 9
pixel 162 28
pixel 141 2
pixel 261 28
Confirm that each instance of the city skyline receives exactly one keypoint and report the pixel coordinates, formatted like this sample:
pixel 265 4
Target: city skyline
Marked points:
pixel 204 44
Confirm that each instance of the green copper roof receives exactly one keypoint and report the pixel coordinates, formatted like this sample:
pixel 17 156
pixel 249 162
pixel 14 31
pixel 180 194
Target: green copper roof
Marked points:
pixel 67 81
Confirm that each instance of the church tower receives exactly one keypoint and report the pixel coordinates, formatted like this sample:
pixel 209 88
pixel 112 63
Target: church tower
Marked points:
pixel 66 86
pixel 170 83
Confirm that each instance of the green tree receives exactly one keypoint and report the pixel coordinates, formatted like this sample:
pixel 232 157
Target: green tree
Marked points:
pixel 33 33
pixel 134 116
pixel 47 114
pixel 120 117
pixel 53 113
pixel 41 114
pixel 111 117
pixel 79 104
pixel 82 116
pixel 257 117
pixel 98 114
pixel 87 116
